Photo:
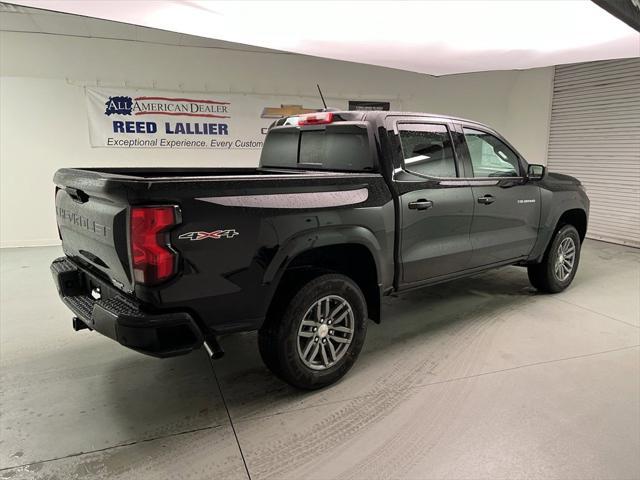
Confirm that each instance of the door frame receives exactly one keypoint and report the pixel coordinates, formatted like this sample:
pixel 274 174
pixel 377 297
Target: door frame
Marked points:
pixel 401 177
pixel 502 182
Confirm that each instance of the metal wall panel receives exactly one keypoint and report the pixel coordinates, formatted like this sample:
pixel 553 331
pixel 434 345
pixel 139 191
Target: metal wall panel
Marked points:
pixel 595 136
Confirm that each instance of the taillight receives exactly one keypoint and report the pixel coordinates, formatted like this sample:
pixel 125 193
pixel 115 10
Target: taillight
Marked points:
pixel 318 118
pixel 153 259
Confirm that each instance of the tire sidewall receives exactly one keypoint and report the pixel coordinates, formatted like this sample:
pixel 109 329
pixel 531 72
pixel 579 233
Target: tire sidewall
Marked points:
pixel 290 362
pixel 564 232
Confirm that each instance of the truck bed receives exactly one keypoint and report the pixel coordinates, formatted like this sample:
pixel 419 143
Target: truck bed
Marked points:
pixel 93 207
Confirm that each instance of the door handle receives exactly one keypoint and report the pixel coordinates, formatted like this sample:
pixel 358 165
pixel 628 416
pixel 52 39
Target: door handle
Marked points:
pixel 486 200
pixel 420 204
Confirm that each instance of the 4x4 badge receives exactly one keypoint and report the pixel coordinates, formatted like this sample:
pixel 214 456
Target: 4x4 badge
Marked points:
pixel 202 235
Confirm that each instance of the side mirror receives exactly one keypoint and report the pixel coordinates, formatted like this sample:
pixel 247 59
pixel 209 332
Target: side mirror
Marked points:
pixel 535 172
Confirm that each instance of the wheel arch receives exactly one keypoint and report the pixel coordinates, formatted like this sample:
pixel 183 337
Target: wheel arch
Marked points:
pixel 570 215
pixel 576 217
pixel 352 251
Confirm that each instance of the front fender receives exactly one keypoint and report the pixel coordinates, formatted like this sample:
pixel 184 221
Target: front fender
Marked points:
pixel 554 205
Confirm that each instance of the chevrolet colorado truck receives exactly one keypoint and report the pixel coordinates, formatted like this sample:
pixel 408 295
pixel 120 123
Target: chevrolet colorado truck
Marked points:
pixel 345 207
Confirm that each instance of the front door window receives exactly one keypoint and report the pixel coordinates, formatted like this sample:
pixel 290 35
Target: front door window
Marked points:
pixel 490 157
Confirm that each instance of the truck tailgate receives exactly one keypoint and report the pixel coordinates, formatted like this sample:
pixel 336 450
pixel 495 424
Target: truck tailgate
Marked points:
pixel 94 232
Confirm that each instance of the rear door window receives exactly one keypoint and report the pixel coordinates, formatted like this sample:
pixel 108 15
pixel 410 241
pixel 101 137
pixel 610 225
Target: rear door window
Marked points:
pixel 428 150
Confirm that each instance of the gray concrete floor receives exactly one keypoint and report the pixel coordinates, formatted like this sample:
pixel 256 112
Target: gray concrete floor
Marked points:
pixel 479 378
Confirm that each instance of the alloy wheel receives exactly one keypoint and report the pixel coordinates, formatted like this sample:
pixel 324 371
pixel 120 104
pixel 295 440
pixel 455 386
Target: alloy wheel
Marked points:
pixel 565 259
pixel 325 332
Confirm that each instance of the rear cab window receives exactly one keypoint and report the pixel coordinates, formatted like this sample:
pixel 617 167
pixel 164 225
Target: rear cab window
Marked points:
pixel 339 146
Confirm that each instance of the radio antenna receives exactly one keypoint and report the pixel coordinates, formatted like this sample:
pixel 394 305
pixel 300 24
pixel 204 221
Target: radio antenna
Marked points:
pixel 321 96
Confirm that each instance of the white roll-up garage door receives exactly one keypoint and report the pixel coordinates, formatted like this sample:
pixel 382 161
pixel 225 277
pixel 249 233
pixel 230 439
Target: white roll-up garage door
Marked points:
pixel 595 136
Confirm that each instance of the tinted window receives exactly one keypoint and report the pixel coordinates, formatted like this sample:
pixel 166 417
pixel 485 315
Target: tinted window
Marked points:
pixel 427 150
pixel 337 147
pixel 490 157
pixel 280 148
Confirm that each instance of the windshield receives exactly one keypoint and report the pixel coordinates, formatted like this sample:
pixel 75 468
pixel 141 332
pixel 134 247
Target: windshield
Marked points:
pixel 337 147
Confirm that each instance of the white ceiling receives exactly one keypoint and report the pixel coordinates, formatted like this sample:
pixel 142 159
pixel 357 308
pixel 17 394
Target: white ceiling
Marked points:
pixel 436 37
pixel 14 18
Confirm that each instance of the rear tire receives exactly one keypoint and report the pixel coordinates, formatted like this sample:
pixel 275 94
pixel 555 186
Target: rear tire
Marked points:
pixel 314 339
pixel 560 262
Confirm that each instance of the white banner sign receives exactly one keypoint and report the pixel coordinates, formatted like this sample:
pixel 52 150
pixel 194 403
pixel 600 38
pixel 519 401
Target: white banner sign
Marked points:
pixel 131 118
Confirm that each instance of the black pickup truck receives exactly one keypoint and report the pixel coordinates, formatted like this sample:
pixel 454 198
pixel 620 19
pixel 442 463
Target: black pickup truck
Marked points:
pixel 345 207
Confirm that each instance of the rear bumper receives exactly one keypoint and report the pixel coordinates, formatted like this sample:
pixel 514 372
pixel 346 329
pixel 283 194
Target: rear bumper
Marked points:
pixel 120 318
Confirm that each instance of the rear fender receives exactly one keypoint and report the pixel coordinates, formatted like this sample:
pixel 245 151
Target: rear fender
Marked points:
pixel 325 236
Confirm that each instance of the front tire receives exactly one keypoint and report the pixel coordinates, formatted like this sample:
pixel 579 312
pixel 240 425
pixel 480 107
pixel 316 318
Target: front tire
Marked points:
pixel 316 338
pixel 560 263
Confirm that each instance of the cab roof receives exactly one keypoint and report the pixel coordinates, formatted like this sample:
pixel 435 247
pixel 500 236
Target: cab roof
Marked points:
pixel 378 116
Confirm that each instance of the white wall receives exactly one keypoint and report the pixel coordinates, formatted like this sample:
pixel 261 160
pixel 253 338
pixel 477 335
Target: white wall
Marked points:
pixel 43 122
